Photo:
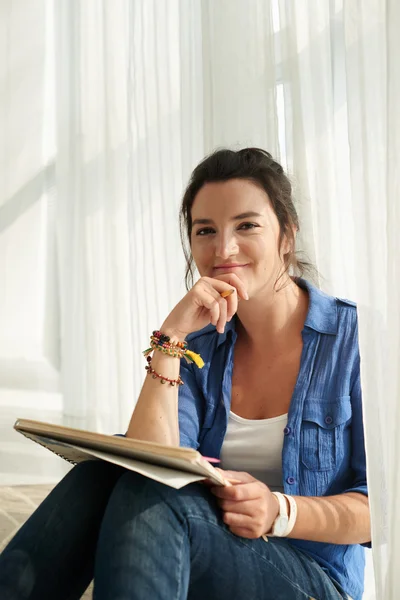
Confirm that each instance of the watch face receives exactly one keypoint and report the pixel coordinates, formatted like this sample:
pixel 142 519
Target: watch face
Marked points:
pixel 280 525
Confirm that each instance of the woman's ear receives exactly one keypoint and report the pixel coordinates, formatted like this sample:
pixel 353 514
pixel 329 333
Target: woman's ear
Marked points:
pixel 288 242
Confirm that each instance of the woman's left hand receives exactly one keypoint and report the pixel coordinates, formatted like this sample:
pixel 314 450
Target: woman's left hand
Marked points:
pixel 249 507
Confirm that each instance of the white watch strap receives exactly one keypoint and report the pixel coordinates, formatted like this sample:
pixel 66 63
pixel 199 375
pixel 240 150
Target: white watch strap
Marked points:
pixel 282 504
pixel 282 512
pixel 293 514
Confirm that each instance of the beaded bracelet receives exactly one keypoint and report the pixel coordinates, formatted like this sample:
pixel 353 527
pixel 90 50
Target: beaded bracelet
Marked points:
pixel 162 342
pixel 162 338
pixel 170 350
pixel 163 379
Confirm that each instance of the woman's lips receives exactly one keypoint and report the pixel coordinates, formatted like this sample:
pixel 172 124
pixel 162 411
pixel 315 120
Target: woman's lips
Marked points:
pixel 229 267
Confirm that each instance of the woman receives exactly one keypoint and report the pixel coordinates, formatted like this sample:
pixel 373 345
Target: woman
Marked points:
pixel 278 400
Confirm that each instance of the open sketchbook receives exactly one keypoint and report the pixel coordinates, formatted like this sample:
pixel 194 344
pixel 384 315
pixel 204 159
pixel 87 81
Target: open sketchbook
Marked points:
pixel 171 465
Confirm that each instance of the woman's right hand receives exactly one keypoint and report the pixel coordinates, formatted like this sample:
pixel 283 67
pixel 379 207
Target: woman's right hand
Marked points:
pixel 203 304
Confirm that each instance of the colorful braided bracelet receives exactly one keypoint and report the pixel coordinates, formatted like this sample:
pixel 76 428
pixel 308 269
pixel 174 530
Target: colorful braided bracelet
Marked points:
pixel 162 343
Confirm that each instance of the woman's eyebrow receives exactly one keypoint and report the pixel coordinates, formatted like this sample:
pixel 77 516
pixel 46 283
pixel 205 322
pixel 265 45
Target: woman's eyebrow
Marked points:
pixel 245 215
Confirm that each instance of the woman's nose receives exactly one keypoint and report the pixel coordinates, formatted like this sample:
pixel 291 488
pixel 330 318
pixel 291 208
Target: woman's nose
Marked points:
pixel 226 246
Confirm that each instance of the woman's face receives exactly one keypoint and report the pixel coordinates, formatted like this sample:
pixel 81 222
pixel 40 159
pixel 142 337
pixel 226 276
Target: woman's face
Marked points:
pixel 235 230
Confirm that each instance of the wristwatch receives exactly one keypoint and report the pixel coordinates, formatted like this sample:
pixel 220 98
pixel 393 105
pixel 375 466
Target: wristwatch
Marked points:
pixel 281 522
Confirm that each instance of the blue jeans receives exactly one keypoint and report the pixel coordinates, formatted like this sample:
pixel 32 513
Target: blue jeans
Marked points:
pixel 143 540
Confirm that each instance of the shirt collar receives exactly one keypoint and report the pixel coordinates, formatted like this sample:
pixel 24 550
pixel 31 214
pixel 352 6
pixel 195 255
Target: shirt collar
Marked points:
pixel 321 316
pixel 322 310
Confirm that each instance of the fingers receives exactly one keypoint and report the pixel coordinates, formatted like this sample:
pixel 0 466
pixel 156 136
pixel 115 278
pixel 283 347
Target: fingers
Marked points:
pixel 228 278
pixel 240 476
pixel 244 505
pixel 240 520
pixel 244 526
pixel 232 304
pixel 230 299
pixel 251 526
pixel 221 298
pixel 223 315
pixel 228 482
pixel 239 492
pixel 211 300
pixel 233 280
pixel 215 311
pixel 248 507
pixel 217 305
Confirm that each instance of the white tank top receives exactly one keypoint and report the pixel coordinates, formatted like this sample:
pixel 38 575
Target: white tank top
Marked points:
pixel 255 446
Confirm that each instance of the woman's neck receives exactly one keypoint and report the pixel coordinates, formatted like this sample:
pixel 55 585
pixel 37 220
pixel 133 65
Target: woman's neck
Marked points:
pixel 273 320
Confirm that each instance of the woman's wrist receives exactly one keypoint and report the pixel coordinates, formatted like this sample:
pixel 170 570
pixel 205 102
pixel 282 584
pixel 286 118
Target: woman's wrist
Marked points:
pixel 174 334
pixel 168 342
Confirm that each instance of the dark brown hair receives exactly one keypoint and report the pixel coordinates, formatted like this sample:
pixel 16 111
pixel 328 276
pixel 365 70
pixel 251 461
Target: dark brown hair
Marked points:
pixel 255 165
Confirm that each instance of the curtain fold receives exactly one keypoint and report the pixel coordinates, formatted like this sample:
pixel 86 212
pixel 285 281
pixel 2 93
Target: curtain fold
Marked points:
pixel 239 74
pixel 122 141
pixel 314 82
pixel 373 84
pixel 92 227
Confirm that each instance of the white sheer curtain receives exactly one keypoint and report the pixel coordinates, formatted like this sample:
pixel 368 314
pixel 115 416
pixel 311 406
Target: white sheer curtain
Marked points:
pixel 341 86
pixel 139 91
pixel 373 83
pixel 123 136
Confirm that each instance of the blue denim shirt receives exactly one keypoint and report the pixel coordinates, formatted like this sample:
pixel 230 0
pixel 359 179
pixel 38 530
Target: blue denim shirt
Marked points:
pixel 323 451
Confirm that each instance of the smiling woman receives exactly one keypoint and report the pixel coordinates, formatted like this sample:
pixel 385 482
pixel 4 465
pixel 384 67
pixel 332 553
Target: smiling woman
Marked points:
pixel 277 400
pixel 232 244
pixel 253 179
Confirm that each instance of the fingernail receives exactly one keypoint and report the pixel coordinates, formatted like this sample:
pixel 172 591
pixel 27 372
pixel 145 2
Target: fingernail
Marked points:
pixel 246 296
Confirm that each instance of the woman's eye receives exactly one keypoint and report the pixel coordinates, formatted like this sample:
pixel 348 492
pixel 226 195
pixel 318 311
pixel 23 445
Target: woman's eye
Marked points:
pixel 204 231
pixel 248 226
pixel 209 230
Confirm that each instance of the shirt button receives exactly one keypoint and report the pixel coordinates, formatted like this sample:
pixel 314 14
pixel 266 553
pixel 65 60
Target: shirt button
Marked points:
pixel 291 480
pixel 287 430
pixel 328 420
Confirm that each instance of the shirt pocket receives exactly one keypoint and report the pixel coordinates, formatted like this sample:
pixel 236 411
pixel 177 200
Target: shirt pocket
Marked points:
pixel 323 432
